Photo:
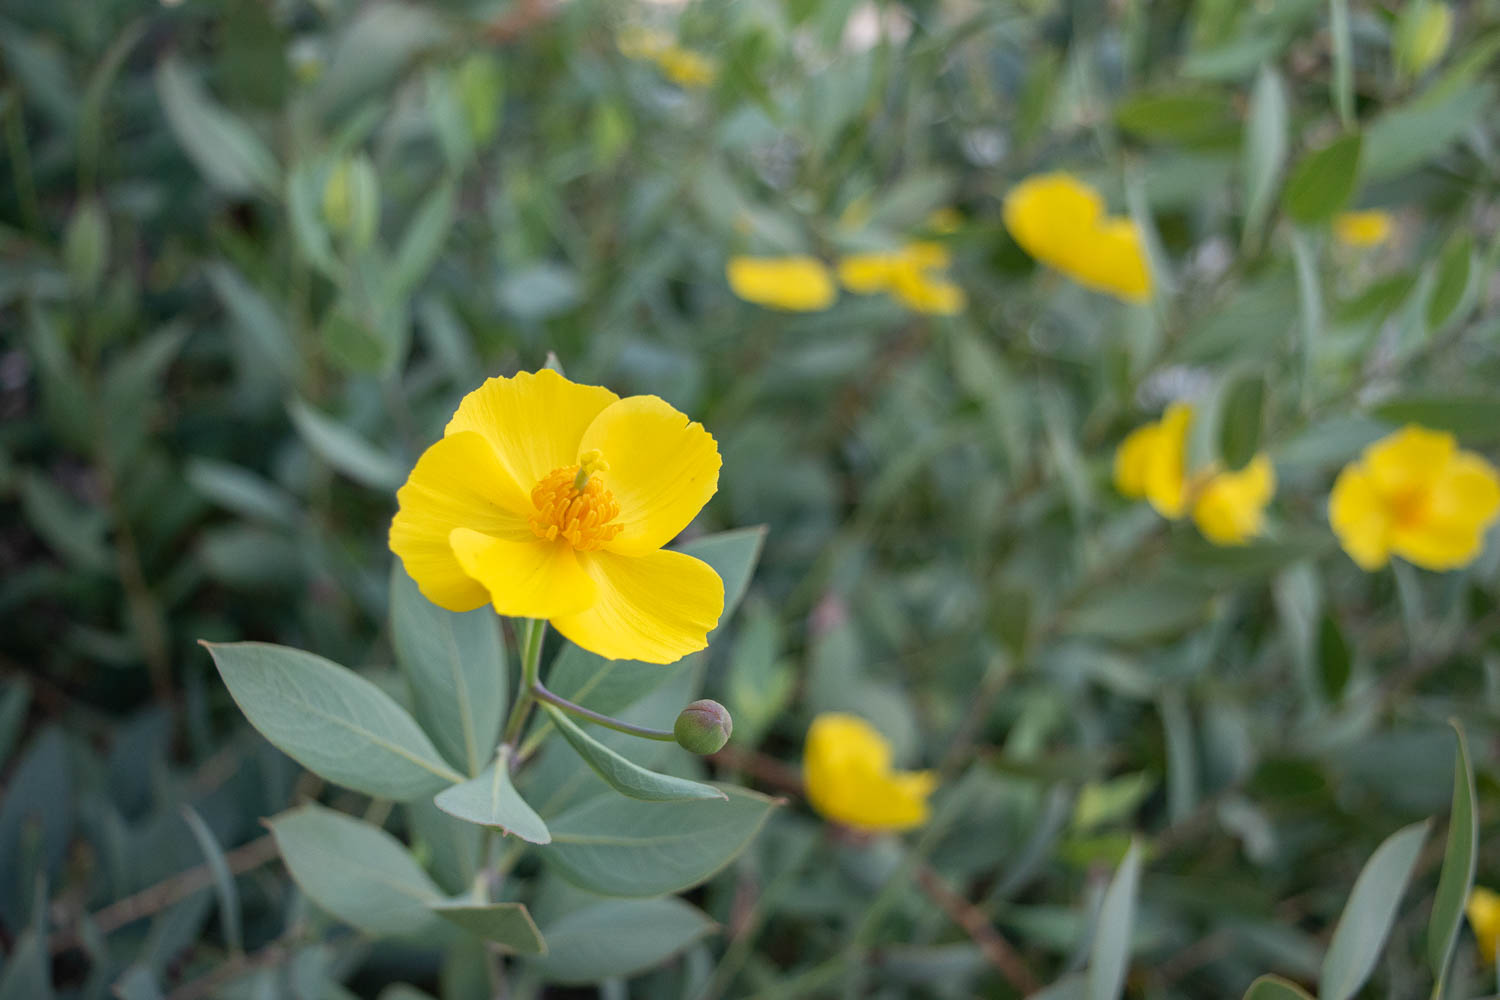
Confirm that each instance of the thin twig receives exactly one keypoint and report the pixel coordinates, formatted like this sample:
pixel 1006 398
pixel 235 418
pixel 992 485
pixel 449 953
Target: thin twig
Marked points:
pixel 996 950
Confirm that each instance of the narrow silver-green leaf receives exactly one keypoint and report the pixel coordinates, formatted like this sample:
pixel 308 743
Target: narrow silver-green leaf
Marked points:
pixel 356 871
pixel 331 720
pixel 1109 958
pixel 508 925
pixel 456 666
pixel 621 847
pixel 1343 60
pixel 343 449
pixel 491 800
pixel 230 155
pixel 1275 988
pixel 626 776
pixel 218 867
pixel 1460 859
pixel 1263 156
pixel 1369 913
pixel 423 239
pixel 618 938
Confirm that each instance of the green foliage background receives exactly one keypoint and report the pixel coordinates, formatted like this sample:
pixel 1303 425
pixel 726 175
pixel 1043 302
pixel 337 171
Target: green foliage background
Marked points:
pixel 208 395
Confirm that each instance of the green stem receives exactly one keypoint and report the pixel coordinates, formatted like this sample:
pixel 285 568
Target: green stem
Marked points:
pixel 531 665
pixel 607 721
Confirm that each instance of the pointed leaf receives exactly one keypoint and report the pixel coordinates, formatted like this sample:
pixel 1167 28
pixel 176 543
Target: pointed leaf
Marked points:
pixel 1109 959
pixel 218 867
pixel 619 938
pixel 620 847
pixel 343 449
pixel 1322 184
pixel 508 925
pixel 1265 147
pixel 1275 988
pixel 491 800
pixel 1460 858
pixel 456 666
pixel 625 776
pixel 356 871
pixel 230 155
pixel 331 720
pixel 1369 913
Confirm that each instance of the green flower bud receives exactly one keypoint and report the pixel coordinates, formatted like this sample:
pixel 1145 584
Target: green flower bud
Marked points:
pixel 351 200
pixel 1422 36
pixel 703 727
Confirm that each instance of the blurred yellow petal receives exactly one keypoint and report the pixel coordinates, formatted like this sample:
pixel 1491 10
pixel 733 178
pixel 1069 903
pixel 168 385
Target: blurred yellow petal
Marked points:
pixel 533 421
pixel 1483 910
pixel 926 255
pixel 1230 508
pixel 687 68
pixel 1362 229
pixel 794 284
pixel 925 294
pixel 1437 545
pixel 1112 259
pixel 868 273
pixel 848 777
pixel 1165 478
pixel 656 607
pixel 1359 518
pixel 1046 213
pixel 530 579
pixel 1468 491
pixel 660 468
pixel 458 482
pixel 1132 458
pixel 1407 460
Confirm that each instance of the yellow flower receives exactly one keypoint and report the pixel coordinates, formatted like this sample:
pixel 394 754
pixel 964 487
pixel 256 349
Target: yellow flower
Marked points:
pixel 1060 221
pixel 1414 494
pixel 1362 229
pixel 847 768
pixel 907 275
pixel 1227 506
pixel 551 499
pixel 687 68
pixel 1484 916
pixel 795 284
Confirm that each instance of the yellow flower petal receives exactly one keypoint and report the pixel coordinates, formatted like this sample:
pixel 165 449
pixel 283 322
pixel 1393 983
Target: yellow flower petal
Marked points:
pixel 1483 910
pixel 1362 229
pixel 1046 212
pixel 533 421
pixel 848 777
pixel 868 273
pixel 1230 508
pixel 656 607
pixel 795 284
pixel 525 579
pixel 926 255
pixel 1468 490
pixel 1111 259
pixel 661 469
pixel 1407 460
pixel 1166 466
pixel 1437 545
pixel 1132 459
pixel 687 68
pixel 458 482
pixel 925 294
pixel 1359 518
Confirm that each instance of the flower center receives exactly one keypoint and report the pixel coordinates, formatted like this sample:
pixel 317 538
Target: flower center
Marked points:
pixel 571 503
pixel 1409 507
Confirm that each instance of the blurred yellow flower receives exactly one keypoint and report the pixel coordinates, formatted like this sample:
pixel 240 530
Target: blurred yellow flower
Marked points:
pixel 551 499
pixel 1362 229
pixel 847 769
pixel 1484 916
pixel 1414 494
pixel 1060 221
pixel 907 275
pixel 683 67
pixel 1227 506
pixel 799 283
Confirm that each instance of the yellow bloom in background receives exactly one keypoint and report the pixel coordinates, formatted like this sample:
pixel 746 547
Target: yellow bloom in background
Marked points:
pixel 1061 221
pixel 1484 916
pixel 1227 506
pixel 1414 494
pixel 1362 229
pixel 683 67
pixel 551 499
pixel 847 770
pixel 908 275
pixel 794 284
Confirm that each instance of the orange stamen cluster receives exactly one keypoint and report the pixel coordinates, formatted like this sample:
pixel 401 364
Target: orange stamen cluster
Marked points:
pixel 582 516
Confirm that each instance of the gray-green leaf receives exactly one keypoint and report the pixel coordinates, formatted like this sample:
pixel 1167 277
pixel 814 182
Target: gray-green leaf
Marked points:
pixel 1109 958
pixel 491 800
pixel 356 871
pixel 1322 184
pixel 619 938
pixel 1369 913
pixel 1459 860
pixel 331 720
pixel 508 925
